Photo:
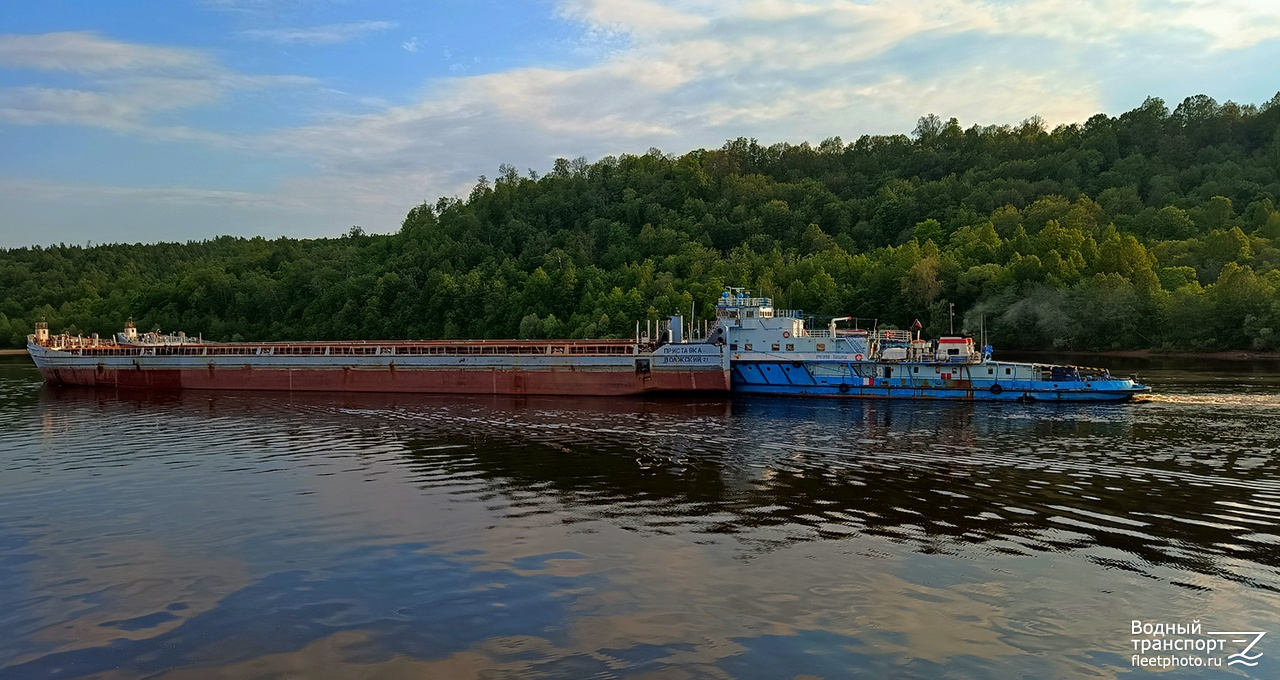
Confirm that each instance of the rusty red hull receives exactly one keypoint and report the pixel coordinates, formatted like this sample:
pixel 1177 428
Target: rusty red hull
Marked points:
pixel 521 367
pixel 433 381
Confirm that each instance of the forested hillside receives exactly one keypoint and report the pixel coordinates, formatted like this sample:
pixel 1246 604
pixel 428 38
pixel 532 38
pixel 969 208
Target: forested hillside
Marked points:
pixel 1155 228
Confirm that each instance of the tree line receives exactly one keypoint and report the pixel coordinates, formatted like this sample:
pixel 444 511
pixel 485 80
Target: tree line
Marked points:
pixel 1151 229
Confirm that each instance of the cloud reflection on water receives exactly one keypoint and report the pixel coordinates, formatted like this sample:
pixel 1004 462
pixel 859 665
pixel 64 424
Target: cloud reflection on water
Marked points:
pixel 459 537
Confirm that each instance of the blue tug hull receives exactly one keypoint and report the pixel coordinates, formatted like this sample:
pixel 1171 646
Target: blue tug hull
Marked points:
pixel 843 380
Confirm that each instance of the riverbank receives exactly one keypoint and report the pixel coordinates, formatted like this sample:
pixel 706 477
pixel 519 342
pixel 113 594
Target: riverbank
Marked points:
pixel 1227 355
pixel 12 352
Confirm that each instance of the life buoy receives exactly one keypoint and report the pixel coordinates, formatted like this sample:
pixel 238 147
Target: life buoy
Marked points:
pixel 786 334
pixel 857 357
pixel 996 389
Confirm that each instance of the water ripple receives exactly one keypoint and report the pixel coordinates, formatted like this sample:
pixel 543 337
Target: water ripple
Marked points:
pixel 155 532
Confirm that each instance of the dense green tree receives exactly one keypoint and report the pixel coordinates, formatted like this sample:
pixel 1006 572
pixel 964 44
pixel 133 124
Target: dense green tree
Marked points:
pixel 1149 229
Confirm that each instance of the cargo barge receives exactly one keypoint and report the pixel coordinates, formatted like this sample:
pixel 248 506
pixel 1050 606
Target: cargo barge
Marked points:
pixel 533 367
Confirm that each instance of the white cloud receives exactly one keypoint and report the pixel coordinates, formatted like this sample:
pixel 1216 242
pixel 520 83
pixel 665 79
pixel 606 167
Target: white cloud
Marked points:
pixel 87 52
pixel 631 16
pixel 689 83
pixel 176 195
pixel 331 34
pixel 121 85
pixel 878 24
pixel 128 104
pixel 1232 24
pixel 111 110
pixel 667 73
pixel 696 72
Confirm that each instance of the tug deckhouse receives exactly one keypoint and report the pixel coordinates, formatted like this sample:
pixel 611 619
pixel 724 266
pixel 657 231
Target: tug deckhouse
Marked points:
pixel 751 325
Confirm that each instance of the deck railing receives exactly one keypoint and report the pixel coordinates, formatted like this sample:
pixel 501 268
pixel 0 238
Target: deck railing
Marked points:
pixel 482 348
pixel 743 302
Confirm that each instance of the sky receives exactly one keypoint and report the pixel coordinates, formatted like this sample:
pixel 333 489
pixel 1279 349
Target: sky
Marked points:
pixel 142 121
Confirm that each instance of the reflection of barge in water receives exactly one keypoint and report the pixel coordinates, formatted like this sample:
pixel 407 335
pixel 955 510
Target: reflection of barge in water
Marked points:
pixel 774 353
pixel 537 367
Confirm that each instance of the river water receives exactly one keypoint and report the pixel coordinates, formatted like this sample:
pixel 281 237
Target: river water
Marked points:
pixel 247 535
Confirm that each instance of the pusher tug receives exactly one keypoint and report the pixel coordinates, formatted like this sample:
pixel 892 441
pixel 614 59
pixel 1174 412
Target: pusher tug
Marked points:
pixel 772 352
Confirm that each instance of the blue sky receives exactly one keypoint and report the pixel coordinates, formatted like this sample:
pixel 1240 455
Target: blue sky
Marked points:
pixel 151 121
